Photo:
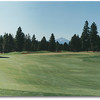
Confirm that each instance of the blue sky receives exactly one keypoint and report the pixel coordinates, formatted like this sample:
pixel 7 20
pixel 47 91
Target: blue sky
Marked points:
pixel 64 19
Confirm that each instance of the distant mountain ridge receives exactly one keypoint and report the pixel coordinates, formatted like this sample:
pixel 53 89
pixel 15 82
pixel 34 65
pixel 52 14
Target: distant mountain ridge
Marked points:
pixel 62 40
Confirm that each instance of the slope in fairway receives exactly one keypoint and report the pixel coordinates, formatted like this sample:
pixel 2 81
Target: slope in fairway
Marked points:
pixel 50 74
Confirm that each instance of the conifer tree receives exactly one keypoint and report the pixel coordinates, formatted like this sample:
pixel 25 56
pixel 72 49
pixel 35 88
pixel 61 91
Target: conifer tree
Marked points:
pixel 98 43
pixel 48 45
pixel 52 44
pixel 65 47
pixel 85 40
pixel 34 46
pixel 8 43
pixel 19 40
pixel 11 43
pixel 93 37
pixel 27 43
pixel 1 44
pixel 5 43
pixel 57 46
pixel 61 47
pixel 43 44
pixel 75 43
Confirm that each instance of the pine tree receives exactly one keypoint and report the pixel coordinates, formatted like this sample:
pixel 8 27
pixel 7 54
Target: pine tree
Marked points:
pixel 48 45
pixel 75 43
pixel 85 37
pixel 5 43
pixel 43 44
pixel 52 44
pixel 11 43
pixel 27 43
pixel 1 43
pixel 65 47
pixel 61 47
pixel 19 40
pixel 93 37
pixel 34 46
pixel 57 46
pixel 98 43
pixel 8 43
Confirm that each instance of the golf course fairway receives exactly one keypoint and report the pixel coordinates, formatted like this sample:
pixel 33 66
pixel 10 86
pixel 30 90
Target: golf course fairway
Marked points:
pixel 50 74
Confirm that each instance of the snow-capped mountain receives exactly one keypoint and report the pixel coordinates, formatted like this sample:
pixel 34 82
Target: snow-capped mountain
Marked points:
pixel 62 40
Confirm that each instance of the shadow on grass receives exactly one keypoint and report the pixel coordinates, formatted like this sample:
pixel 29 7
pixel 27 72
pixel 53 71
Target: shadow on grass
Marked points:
pixel 16 93
pixel 3 57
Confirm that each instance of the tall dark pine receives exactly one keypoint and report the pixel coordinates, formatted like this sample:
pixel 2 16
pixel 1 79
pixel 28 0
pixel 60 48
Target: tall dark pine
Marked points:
pixel 43 44
pixel 98 43
pixel 47 45
pixel 19 40
pixel 75 43
pixel 1 44
pixel 57 46
pixel 93 37
pixel 52 44
pixel 85 37
pixel 65 47
pixel 11 43
pixel 61 47
pixel 6 43
pixel 27 43
pixel 34 46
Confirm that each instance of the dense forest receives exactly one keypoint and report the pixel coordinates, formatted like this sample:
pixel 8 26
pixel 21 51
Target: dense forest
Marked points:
pixel 88 41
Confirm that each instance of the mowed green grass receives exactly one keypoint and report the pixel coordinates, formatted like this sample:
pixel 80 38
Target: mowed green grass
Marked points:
pixel 50 74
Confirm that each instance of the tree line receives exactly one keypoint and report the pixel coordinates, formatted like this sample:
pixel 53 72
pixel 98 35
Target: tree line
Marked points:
pixel 22 42
pixel 88 41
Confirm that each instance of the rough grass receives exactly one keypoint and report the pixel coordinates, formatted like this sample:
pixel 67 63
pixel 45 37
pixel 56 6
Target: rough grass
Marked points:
pixel 50 74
